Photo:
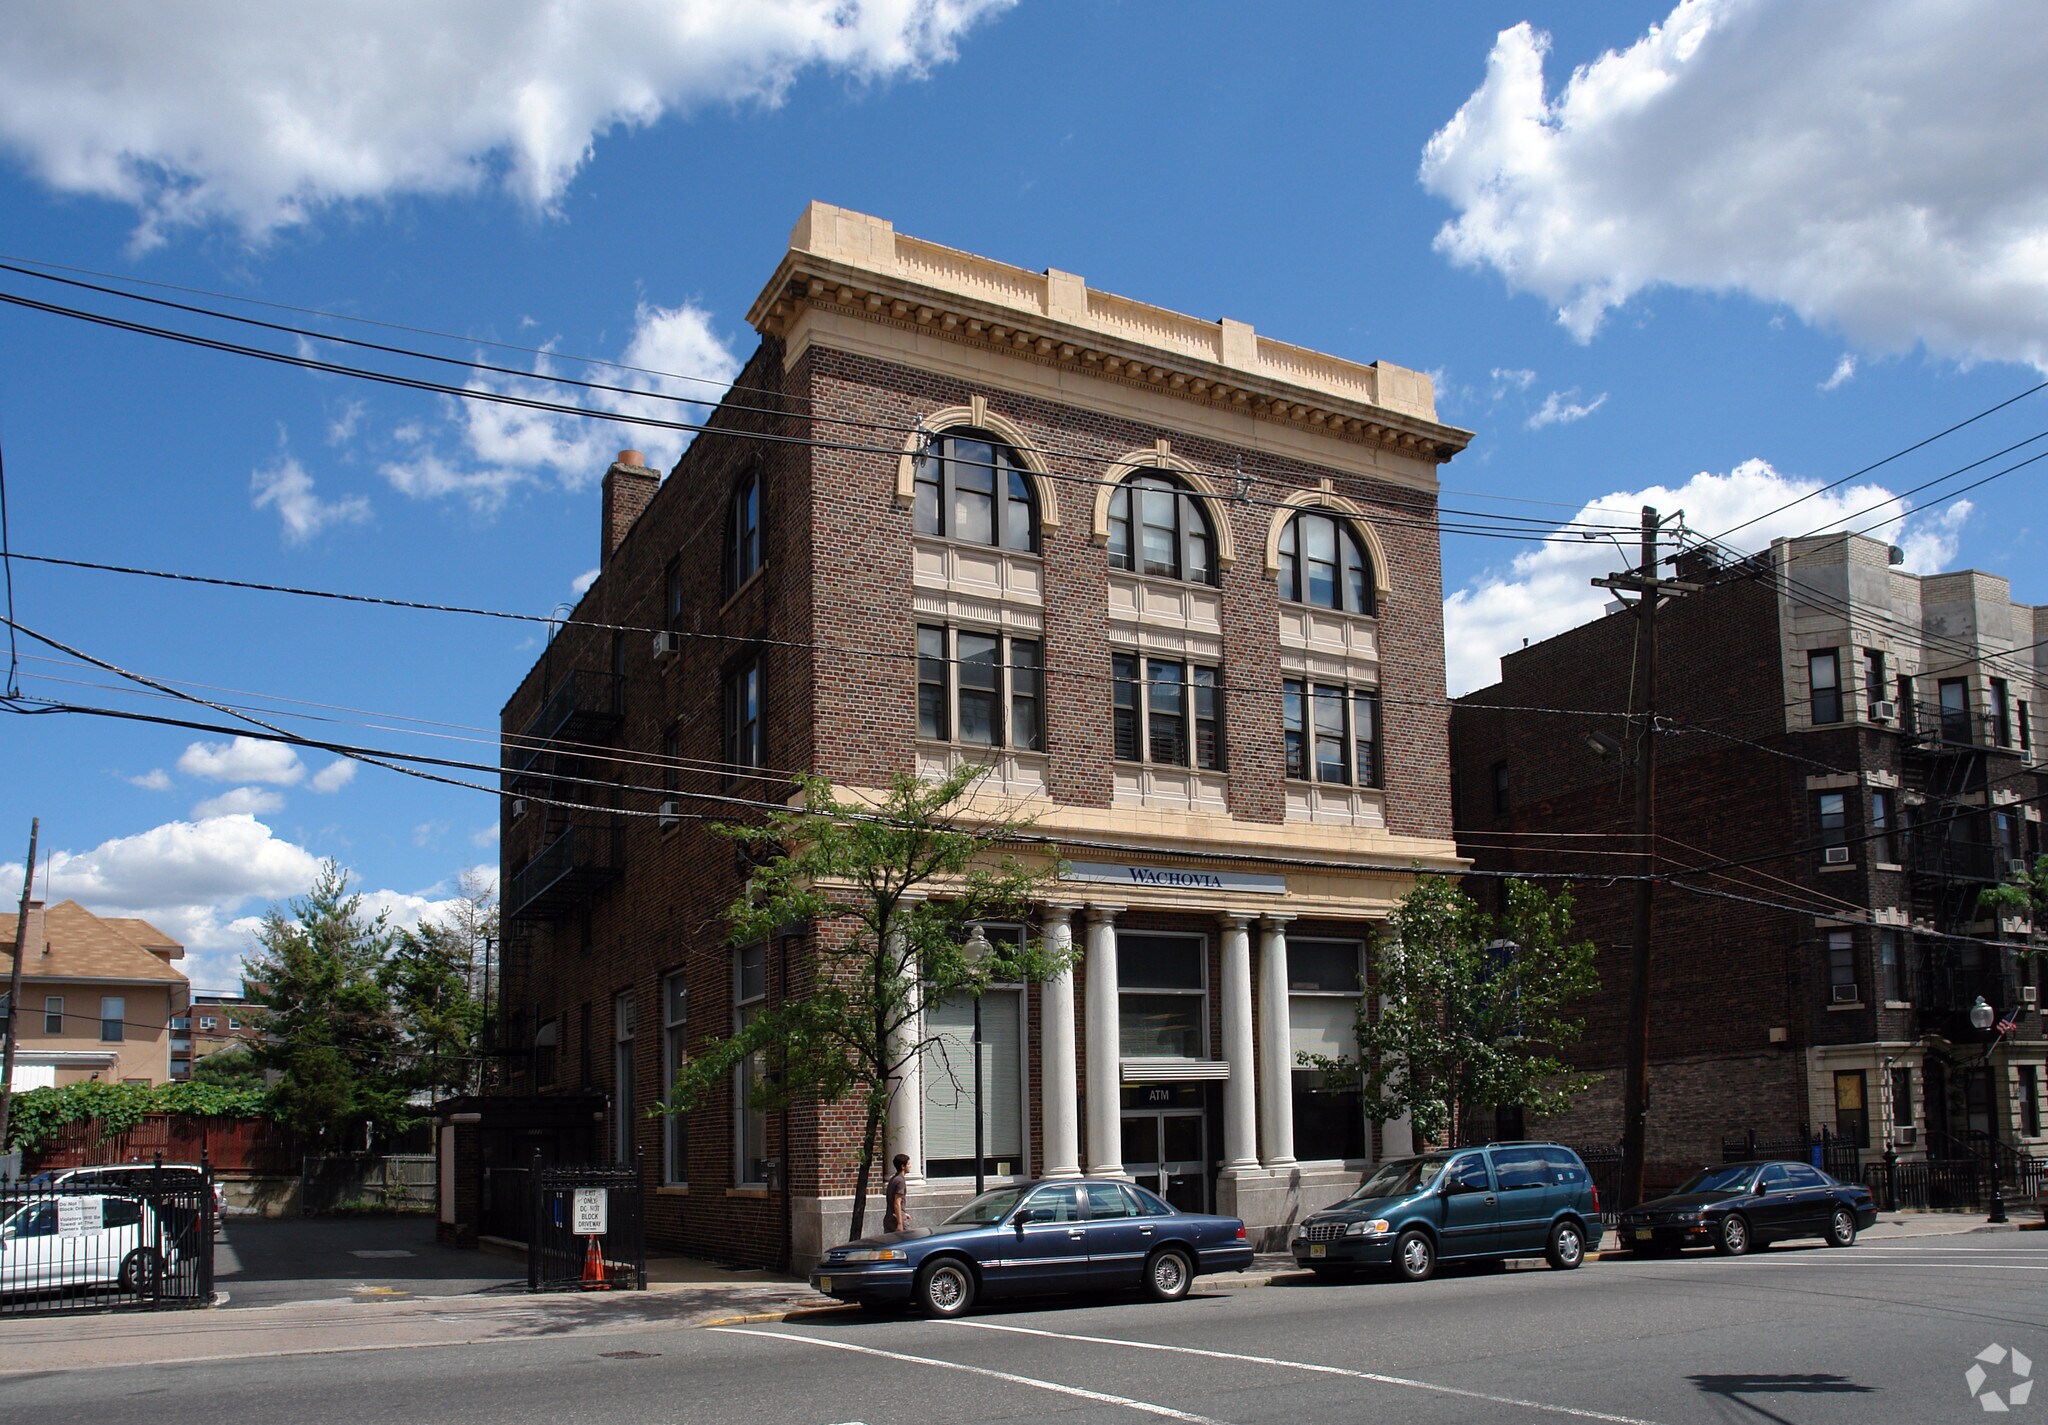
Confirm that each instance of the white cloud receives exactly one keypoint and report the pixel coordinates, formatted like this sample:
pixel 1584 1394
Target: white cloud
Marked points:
pixel 501 448
pixel 239 801
pixel 1548 589
pixel 246 759
pixel 1844 372
pixel 428 831
pixel 263 114
pixel 334 776
pixel 286 487
pixel 1561 408
pixel 156 779
pixel 1878 166
pixel 580 585
pixel 1505 379
pixel 485 835
pixel 342 428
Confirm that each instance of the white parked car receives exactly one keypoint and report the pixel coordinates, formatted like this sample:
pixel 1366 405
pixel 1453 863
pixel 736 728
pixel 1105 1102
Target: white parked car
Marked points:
pixel 53 1242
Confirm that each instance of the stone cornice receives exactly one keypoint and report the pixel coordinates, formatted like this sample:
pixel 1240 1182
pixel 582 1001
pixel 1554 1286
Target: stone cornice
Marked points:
pixel 850 263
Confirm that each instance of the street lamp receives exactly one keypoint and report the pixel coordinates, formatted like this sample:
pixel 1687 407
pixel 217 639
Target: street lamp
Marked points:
pixel 1983 1016
pixel 978 951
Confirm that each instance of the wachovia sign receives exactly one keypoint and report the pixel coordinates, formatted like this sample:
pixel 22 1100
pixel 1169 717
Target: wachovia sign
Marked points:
pixel 1175 878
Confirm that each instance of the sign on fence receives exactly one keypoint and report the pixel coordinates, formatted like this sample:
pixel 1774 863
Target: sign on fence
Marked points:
pixel 588 1215
pixel 77 1216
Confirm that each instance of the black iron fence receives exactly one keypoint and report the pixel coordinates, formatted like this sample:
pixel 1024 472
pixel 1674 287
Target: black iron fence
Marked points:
pixel 142 1240
pixel 589 1228
pixel 1603 1161
pixel 1826 1150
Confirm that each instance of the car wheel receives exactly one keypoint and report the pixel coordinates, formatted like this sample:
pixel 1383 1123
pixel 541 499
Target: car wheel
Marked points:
pixel 1842 1228
pixel 945 1288
pixel 1733 1238
pixel 1415 1256
pixel 1567 1247
pixel 1168 1274
pixel 140 1270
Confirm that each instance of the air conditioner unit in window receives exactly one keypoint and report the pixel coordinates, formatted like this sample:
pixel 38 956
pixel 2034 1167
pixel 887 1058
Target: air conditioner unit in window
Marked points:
pixel 2016 867
pixel 668 814
pixel 518 807
pixel 1884 712
pixel 1835 856
pixel 1843 994
pixel 1908 1135
pixel 666 643
pixel 2028 994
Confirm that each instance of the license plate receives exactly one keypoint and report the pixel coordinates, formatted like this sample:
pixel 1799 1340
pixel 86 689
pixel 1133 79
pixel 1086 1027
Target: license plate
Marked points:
pixel 1319 1250
pixel 824 1283
pixel 1644 1234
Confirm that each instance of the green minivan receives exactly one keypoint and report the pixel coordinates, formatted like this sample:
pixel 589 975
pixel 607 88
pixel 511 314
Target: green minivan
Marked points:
pixel 1503 1200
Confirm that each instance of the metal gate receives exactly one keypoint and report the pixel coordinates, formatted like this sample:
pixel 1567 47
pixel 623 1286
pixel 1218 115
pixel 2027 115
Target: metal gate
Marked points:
pixel 141 1242
pixel 589 1228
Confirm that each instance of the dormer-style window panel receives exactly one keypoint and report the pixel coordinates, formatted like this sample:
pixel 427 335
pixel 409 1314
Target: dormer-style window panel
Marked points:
pixel 974 489
pixel 1157 526
pixel 1323 563
pixel 743 532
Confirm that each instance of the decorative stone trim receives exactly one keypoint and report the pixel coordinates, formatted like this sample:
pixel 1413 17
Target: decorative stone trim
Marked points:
pixel 977 414
pixel 1325 497
pixel 1159 456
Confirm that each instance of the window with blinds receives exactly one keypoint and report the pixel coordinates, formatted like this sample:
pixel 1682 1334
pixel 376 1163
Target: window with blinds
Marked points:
pixel 948 1072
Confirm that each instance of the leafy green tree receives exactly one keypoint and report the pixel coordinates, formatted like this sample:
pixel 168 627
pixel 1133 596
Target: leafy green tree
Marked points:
pixel 433 975
pixel 2025 895
pixel 1472 1008
pixel 231 1068
pixel 890 890
pixel 329 1028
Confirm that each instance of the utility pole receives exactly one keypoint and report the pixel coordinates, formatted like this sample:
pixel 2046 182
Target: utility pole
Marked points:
pixel 28 879
pixel 1649 591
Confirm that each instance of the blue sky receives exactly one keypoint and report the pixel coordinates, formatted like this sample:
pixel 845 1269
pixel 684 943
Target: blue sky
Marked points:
pixel 1722 253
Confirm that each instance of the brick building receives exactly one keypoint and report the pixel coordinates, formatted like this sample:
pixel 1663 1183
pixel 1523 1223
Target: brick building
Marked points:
pixel 1860 741
pixel 1177 583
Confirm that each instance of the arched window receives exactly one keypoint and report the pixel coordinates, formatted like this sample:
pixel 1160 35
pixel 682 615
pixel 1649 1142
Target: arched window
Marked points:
pixel 1157 526
pixel 743 531
pixel 970 487
pixel 1323 563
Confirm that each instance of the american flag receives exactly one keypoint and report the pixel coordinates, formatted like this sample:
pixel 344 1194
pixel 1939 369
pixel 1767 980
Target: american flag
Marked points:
pixel 2009 1023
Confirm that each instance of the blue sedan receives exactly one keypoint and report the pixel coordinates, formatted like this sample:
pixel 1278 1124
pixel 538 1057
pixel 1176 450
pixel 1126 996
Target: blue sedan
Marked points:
pixel 1085 1234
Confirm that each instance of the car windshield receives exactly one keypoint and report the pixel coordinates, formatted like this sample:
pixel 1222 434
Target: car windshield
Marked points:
pixel 1733 1178
pixel 1401 1177
pixel 991 1207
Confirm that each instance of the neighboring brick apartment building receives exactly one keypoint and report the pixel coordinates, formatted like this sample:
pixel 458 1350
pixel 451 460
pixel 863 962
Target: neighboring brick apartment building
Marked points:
pixel 1861 741
pixel 100 996
pixel 1011 530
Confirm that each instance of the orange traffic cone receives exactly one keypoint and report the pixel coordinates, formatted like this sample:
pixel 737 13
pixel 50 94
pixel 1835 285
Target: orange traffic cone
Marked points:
pixel 593 1268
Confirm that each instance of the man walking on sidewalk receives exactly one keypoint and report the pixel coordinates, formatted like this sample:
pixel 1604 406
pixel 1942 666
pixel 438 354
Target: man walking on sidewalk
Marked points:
pixel 896 1197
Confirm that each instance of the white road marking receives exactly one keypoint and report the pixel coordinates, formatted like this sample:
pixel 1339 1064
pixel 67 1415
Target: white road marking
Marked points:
pixel 1099 1396
pixel 1311 1366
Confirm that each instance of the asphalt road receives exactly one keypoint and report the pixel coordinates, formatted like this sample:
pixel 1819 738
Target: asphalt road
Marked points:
pixel 269 1261
pixel 1881 1332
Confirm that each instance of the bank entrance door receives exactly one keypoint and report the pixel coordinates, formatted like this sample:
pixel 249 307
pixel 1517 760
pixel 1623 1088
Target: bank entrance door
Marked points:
pixel 1167 1151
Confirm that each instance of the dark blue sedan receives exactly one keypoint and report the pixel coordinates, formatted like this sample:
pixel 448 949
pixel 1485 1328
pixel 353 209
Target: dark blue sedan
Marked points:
pixel 1085 1234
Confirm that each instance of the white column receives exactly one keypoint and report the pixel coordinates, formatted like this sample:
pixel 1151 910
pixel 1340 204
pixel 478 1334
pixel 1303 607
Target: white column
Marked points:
pixel 904 1132
pixel 1058 1087
pixel 1240 1090
pixel 1105 1055
pixel 1276 1046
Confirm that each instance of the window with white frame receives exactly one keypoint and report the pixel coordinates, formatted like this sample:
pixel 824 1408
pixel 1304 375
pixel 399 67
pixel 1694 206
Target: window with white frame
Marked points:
pixel 1325 982
pixel 675 1050
pixel 622 1078
pixel 972 488
pixel 948 1076
pixel 53 1014
pixel 1842 981
pixel 1163 1004
pixel 1824 684
pixel 113 1019
pixel 1332 734
pixel 750 1123
pixel 980 689
pixel 1166 712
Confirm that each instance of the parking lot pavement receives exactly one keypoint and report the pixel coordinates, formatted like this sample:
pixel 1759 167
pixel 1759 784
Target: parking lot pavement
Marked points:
pixel 264 1261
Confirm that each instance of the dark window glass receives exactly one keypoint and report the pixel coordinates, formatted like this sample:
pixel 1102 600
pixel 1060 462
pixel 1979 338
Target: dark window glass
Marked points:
pixel 1365 738
pixel 1323 562
pixel 974 489
pixel 1157 525
pixel 1873 675
pixel 1515 1168
pixel 934 716
pixel 2026 726
pixel 1891 969
pixel 1773 1178
pixel 1824 676
pixel 1902 1098
pixel 1834 818
pixel 1500 787
pixel 1293 718
pixel 1120 528
pixel 1328 1122
pixel 1165 714
pixel 1333 763
pixel 1208 719
pixel 1124 705
pixel 1883 829
pixel 2030 1101
pixel 979 704
pixel 1107 1200
pixel 1027 696
pixel 1055 1204
pixel 745 745
pixel 1801 1176
pixel 1841 963
pixel 1955 711
pixel 743 554
pixel 1909 712
pixel 2001 712
pixel 672 599
pixel 1159 962
pixel 1323 965
pixel 1468 1174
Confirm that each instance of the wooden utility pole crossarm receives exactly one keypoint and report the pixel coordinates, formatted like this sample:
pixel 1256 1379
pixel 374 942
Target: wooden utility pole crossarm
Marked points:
pixel 28 878
pixel 1650 591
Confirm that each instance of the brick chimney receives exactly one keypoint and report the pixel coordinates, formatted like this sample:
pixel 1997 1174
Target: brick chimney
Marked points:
pixel 628 487
pixel 35 937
